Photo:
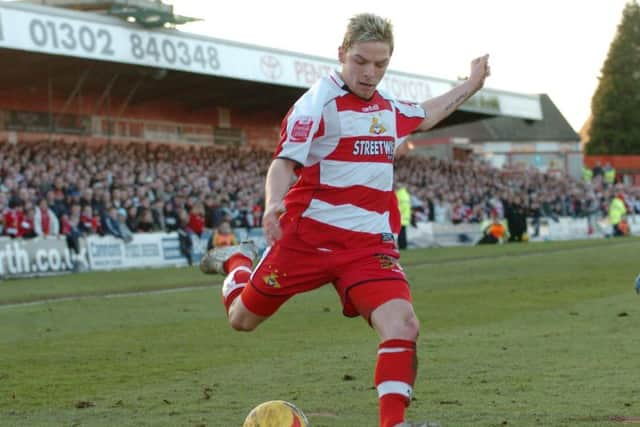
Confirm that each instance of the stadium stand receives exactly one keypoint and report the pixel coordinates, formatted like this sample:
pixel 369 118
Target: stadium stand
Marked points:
pixel 154 185
pixel 169 132
pixel 147 183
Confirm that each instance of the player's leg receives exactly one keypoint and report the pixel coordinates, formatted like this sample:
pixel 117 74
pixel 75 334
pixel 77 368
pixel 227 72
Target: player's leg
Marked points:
pixel 396 368
pixel 397 363
pixel 236 262
pixel 250 297
pixel 234 285
pixel 381 295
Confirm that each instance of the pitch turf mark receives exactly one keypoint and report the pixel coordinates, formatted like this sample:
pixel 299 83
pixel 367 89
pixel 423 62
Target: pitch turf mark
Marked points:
pixel 83 404
pixel 99 295
pixel 625 420
pixel 613 418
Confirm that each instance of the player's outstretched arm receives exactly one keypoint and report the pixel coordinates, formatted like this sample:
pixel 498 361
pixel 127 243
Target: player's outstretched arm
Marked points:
pixel 279 178
pixel 440 107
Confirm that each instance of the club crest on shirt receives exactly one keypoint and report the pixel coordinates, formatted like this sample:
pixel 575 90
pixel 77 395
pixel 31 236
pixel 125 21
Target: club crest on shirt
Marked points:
pixel 386 261
pixel 376 126
pixel 389 263
pixel 301 129
pixel 271 280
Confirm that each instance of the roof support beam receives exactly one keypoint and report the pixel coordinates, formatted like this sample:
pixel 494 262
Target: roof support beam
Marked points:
pixel 105 93
pixel 129 97
pixel 76 90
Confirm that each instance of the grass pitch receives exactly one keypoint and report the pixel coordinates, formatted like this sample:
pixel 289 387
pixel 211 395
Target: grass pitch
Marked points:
pixel 513 335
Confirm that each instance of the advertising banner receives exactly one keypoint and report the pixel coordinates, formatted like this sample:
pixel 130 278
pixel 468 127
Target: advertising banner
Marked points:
pixel 145 250
pixel 40 256
pixel 199 245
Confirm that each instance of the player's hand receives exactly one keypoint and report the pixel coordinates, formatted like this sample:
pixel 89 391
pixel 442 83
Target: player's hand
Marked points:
pixel 271 223
pixel 480 70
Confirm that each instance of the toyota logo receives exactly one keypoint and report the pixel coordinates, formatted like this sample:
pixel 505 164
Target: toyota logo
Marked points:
pixel 270 66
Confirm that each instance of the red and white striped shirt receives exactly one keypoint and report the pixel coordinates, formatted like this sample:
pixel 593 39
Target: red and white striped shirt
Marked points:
pixel 343 198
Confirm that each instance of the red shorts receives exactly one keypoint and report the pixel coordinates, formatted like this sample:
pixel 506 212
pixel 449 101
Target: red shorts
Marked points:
pixel 364 278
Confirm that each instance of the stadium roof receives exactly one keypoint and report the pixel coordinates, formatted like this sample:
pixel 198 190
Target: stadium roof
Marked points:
pixel 554 128
pixel 148 13
pixel 74 50
pixel 141 84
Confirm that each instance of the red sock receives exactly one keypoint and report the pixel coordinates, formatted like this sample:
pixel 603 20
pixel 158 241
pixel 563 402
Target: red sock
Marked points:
pixel 394 378
pixel 236 282
pixel 236 261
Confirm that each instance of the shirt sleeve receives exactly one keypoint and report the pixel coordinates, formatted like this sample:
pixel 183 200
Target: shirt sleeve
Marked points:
pixel 301 125
pixel 409 116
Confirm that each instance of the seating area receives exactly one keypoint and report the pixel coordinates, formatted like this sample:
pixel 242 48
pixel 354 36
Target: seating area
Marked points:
pixel 49 188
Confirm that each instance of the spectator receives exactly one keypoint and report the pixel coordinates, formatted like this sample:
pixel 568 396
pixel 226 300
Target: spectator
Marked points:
pixel 184 235
pixel 157 215
pixel 45 220
pixel 587 174
pixel 221 212
pixel 131 218
pixel 89 223
pixel 111 224
pixel 223 236
pixel 57 205
pixel 196 219
pixel 125 233
pixel 609 175
pixel 27 225
pixel 209 209
pixel 13 218
pixel 493 232
pixel 617 212
pixel 171 219
pixel 404 205
pixel 71 228
pixel 597 171
pixel 516 216
pixel 257 210
pixel 441 211
pixel 145 221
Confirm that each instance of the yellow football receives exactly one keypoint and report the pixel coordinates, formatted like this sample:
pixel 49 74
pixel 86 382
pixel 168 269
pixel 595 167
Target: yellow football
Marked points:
pixel 276 413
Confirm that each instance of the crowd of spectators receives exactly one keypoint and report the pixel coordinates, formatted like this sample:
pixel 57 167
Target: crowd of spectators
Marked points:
pixel 67 189
pixel 74 189
pixel 472 192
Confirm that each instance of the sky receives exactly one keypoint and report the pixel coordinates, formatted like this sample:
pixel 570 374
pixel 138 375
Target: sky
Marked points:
pixel 555 47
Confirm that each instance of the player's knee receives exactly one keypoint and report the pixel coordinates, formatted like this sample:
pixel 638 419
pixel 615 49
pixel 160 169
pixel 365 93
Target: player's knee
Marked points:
pixel 242 320
pixel 241 324
pixel 410 327
pixel 406 327
pixel 396 320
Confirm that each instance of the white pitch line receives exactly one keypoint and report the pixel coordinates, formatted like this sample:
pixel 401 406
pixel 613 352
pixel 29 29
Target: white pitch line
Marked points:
pixel 108 296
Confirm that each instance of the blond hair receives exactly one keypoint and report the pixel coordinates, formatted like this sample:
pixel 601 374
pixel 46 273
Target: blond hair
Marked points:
pixel 367 27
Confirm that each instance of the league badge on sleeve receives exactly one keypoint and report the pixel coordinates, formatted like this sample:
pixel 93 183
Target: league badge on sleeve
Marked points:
pixel 301 129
